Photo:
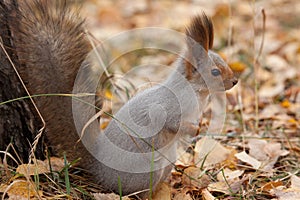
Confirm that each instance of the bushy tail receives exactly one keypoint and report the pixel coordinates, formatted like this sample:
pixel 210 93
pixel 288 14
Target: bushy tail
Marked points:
pixel 50 43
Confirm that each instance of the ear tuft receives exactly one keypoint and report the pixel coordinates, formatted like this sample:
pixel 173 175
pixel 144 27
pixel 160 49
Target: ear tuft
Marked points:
pixel 201 30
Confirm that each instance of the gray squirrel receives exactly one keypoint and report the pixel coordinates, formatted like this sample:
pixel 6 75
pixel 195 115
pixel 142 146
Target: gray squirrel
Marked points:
pixel 138 147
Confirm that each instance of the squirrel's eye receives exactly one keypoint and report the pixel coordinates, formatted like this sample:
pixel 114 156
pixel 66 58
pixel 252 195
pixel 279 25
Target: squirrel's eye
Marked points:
pixel 215 72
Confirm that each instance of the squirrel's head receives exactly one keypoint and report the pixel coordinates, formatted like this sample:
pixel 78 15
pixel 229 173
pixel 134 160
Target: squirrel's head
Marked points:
pixel 204 68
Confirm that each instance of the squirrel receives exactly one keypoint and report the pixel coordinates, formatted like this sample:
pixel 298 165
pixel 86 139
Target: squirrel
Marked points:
pixel 51 45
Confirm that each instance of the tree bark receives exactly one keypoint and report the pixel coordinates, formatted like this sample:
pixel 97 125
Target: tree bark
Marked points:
pixel 18 119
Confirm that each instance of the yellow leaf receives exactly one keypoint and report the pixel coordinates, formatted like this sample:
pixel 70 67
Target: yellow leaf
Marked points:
pixel 237 66
pixel 271 185
pixel 103 125
pixel 292 121
pixel 23 189
pixel 231 160
pixel 108 94
pixel 298 50
pixel 285 104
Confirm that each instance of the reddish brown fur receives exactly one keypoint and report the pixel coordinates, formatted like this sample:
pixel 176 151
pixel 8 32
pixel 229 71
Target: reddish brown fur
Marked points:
pixel 201 31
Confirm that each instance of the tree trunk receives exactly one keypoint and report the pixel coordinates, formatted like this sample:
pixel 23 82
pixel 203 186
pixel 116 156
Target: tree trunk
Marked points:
pixel 18 119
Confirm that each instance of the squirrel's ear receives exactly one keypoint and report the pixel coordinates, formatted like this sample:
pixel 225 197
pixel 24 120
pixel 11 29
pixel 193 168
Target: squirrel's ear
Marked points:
pixel 201 31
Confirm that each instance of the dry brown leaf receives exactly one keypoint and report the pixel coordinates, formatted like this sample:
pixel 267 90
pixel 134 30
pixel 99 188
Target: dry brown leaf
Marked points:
pixel 17 197
pixel 271 185
pixel 207 195
pixel 225 187
pixel 229 181
pixel 57 164
pixel 274 150
pixel 219 187
pixel 2 188
pixel 287 194
pixel 231 160
pixel 32 169
pixel 163 192
pixel 295 182
pixel 271 89
pixel 193 176
pixel 185 158
pixel 182 196
pixel 266 153
pixel 256 149
pixel 290 193
pixel 176 178
pixel 276 63
pixel 229 186
pixel 21 189
pixel 270 111
pixel 210 152
pixel 243 156
pixel 229 175
pixel 111 196
pixel 41 167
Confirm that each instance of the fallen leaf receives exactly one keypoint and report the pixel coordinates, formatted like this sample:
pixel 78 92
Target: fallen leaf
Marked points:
pixel 111 196
pixel 243 156
pixel 256 149
pixel 163 192
pixel 274 150
pixel 285 103
pixel 57 164
pixel 225 187
pixel 288 194
pixel 207 195
pixel 210 152
pixel 185 158
pixel 21 189
pixel 270 111
pixel 104 123
pixel 271 89
pixel 237 66
pixel 295 182
pixel 271 185
pixel 32 169
pixel 266 153
pixel 228 175
pixel 182 196
pixel 195 177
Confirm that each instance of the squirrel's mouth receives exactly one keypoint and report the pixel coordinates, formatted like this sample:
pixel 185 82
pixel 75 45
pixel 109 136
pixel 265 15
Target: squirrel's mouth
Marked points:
pixel 228 84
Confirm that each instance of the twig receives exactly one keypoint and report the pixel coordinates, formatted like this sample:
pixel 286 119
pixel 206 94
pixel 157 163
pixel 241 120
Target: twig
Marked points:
pixel 256 65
